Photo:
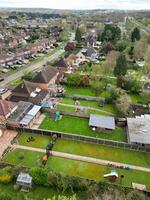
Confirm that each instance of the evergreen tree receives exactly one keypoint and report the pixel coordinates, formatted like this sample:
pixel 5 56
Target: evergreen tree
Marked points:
pixel 121 66
pixel 135 35
pixel 78 36
pixel 120 69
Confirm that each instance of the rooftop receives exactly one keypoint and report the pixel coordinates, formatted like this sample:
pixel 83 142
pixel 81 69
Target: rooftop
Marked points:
pixel 102 122
pixel 139 129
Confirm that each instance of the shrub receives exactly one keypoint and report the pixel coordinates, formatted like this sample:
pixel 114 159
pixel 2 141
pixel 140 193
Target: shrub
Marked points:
pixel 6 175
pixel 21 156
pixel 39 175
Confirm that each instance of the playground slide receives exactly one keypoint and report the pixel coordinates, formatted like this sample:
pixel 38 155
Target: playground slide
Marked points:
pixel 111 174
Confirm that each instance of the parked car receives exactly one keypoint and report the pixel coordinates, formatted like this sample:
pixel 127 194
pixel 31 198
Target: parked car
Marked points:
pixel 1 79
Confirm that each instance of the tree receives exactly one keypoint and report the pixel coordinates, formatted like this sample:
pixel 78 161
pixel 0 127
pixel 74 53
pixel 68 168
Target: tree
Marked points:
pixel 96 79
pixel 70 47
pixel 97 86
pixel 111 59
pixel 140 48
pixel 111 33
pixel 121 45
pixel 135 35
pixel 82 28
pixel 123 104
pixel 63 36
pixel 85 81
pixel 78 36
pixel 131 84
pixel 74 80
pixel 120 69
pixel 107 47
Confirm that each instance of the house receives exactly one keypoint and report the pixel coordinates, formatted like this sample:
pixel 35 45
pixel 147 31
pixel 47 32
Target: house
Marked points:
pixel 63 65
pixel 81 57
pixel 4 93
pixel 91 53
pixel 101 123
pixel 6 109
pixel 138 130
pixel 29 92
pixel 47 79
pixel 24 115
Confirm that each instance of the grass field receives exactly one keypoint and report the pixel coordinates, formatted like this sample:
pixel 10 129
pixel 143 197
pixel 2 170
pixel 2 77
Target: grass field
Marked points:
pixel 41 141
pixel 30 158
pixel 79 126
pixel 103 152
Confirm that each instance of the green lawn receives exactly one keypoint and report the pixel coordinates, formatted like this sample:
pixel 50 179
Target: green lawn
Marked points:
pixel 96 172
pixel 103 152
pixel 30 158
pixel 87 91
pixel 41 141
pixel 79 126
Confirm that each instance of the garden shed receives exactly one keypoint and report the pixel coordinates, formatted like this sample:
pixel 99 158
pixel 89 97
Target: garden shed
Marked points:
pixel 24 180
pixel 102 123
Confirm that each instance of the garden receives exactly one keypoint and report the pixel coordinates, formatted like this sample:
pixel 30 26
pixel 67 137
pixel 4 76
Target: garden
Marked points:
pixel 77 168
pixel 109 109
pixel 79 126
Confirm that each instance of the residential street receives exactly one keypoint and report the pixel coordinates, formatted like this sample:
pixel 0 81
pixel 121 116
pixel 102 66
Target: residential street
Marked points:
pixel 32 67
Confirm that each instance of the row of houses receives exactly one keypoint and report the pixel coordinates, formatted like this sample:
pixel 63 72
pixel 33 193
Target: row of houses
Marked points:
pixel 21 106
pixel 29 50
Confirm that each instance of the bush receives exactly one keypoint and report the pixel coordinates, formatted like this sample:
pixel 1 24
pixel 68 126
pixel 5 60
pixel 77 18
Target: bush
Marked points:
pixel 6 175
pixel 39 175
pixel 131 84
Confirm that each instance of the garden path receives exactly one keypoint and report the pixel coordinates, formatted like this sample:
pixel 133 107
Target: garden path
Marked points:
pixel 85 159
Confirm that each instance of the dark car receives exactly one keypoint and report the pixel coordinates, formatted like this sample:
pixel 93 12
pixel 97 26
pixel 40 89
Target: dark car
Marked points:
pixel 1 79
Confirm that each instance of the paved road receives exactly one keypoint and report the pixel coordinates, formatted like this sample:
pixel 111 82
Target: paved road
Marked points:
pixel 31 67
pixel 84 158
